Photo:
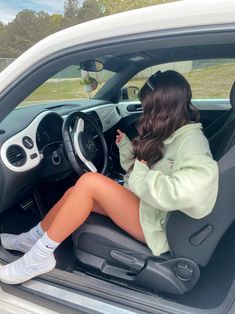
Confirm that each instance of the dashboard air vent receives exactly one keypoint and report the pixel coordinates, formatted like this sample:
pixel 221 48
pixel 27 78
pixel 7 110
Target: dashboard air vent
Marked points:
pixel 16 155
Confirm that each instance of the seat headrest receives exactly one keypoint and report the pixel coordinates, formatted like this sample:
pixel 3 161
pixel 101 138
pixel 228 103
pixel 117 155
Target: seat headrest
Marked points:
pixel 232 96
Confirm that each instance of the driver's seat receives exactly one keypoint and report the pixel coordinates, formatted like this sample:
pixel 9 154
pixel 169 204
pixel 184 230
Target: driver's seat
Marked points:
pixel 101 247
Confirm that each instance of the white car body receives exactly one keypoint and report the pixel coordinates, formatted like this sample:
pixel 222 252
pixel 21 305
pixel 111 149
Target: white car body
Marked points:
pixel 170 16
pixel 188 14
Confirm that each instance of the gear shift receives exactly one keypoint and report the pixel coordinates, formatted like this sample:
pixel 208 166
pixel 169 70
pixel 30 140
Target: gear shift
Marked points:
pixel 113 174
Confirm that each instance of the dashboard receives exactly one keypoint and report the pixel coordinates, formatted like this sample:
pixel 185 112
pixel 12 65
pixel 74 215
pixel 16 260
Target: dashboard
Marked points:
pixel 25 150
pixel 32 151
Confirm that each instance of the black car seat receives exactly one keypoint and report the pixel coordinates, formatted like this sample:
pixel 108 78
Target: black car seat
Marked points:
pixel 219 122
pixel 101 247
pixel 220 132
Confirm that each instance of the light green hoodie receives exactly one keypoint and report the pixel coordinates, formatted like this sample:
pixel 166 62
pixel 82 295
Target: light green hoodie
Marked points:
pixel 185 179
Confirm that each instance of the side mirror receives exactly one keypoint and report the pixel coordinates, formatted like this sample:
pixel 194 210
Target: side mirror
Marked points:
pixel 129 93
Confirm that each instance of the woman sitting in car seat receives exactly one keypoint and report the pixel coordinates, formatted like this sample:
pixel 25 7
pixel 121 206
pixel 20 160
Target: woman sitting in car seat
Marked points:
pixel 168 167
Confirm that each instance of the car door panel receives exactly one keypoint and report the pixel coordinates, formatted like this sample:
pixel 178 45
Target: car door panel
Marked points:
pixel 210 110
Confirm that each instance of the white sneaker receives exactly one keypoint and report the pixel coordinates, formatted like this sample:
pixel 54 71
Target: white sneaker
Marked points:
pixel 13 242
pixel 25 268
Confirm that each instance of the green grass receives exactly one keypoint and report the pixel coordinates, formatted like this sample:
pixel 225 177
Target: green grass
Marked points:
pixel 61 89
pixel 212 82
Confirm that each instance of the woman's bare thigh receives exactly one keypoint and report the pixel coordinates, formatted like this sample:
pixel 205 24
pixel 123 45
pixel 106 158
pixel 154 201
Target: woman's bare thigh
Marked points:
pixel 115 201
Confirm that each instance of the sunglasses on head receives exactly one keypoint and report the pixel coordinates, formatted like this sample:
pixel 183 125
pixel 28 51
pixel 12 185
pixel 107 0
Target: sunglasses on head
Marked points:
pixel 149 83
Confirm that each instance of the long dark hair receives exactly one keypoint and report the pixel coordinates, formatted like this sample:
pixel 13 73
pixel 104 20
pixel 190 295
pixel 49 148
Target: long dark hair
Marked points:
pixel 166 100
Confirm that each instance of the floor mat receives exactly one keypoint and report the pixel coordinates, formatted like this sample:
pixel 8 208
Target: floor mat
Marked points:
pixel 17 221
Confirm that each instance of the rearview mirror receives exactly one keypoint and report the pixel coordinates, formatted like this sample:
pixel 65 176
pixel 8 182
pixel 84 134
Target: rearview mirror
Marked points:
pixel 91 66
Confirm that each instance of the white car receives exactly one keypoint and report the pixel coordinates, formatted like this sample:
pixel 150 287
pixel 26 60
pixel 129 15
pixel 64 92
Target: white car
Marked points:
pixel 49 95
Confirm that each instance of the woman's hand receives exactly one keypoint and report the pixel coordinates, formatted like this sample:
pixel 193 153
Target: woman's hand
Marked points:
pixel 119 136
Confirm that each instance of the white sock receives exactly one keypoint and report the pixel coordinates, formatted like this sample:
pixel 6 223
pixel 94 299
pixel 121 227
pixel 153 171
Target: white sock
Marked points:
pixel 39 260
pixel 44 247
pixel 24 241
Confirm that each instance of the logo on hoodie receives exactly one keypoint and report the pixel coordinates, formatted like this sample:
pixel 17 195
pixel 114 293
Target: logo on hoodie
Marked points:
pixel 170 161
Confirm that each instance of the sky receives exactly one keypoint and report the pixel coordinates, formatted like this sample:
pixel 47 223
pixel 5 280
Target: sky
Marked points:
pixel 9 8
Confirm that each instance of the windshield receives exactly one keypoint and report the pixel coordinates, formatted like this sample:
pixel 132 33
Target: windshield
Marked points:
pixel 71 84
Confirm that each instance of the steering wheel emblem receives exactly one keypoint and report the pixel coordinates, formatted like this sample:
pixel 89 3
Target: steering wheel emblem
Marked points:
pixel 90 145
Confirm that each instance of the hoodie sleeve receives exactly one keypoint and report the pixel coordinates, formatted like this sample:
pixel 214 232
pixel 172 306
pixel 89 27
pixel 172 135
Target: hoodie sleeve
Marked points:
pixel 191 189
pixel 125 153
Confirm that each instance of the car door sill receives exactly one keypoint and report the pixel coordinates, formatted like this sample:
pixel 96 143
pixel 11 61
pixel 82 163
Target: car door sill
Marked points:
pixel 77 290
pixel 111 298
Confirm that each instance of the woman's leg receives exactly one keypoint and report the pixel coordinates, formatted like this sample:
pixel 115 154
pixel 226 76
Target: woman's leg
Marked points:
pixel 117 202
pixel 24 241
pixel 121 205
pixel 47 220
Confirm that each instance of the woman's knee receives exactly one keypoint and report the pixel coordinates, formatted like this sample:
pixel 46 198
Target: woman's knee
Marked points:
pixel 69 191
pixel 89 180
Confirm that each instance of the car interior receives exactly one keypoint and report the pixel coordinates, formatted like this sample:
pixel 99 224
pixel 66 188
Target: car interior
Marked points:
pixel 199 269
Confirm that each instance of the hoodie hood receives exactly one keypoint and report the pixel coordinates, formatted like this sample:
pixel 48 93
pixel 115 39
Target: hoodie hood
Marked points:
pixel 182 130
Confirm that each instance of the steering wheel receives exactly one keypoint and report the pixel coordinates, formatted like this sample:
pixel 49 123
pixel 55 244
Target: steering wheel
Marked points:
pixel 80 145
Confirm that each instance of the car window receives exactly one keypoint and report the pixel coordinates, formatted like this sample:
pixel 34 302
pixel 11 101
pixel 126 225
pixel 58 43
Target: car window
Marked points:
pixel 69 84
pixel 209 79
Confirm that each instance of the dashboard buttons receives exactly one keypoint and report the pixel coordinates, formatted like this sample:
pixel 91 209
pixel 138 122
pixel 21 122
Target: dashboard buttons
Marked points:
pixel 27 142
pixel 33 156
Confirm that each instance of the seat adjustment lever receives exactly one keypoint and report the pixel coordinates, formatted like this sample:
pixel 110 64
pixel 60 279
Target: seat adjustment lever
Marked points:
pixel 128 260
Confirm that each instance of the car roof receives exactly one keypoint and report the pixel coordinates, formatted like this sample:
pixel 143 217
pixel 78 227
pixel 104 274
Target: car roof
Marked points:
pixel 169 16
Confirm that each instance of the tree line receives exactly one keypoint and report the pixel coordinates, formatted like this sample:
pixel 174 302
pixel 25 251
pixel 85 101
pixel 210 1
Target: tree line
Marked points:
pixel 28 27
